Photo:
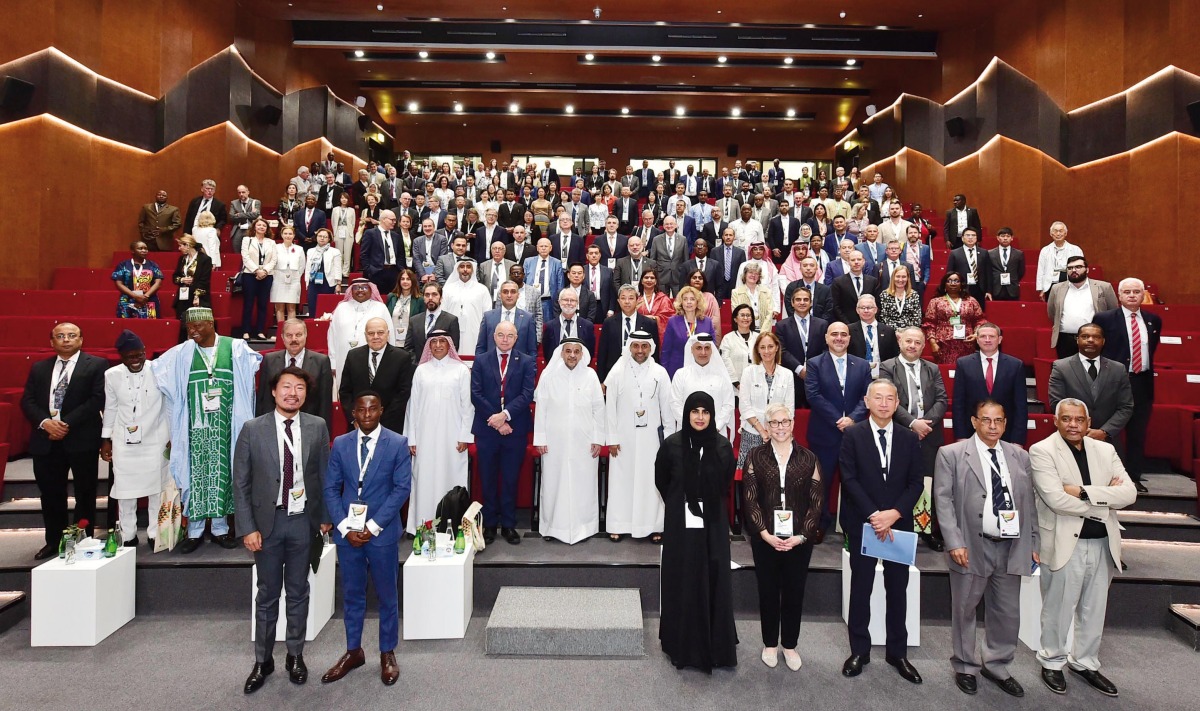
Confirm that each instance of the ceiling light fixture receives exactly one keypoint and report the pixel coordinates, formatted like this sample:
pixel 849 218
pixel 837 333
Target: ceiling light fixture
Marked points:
pixel 435 19
pixel 514 108
pixel 791 113
pixel 656 58
pixel 680 111
pixel 721 60
pixel 736 112
pixel 379 7
pixel 787 60
pixel 881 27
pixel 458 108
pixel 589 56
pixel 359 53
pixel 851 62
pixel 569 109
pixel 625 110
pixel 423 54
pixel 842 15
pixel 490 55
pixel 413 106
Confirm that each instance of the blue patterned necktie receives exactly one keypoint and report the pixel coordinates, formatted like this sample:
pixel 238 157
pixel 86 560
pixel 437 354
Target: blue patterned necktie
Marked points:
pixel 60 388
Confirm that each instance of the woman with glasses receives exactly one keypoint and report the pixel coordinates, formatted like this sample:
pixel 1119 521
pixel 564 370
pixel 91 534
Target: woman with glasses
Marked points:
pixel 762 384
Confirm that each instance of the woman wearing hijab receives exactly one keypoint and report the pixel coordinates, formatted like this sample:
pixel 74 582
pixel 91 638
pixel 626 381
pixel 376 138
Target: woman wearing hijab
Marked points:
pixel 693 471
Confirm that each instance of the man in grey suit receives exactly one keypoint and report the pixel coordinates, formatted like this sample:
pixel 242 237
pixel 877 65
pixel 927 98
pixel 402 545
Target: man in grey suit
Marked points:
pixel 1102 385
pixel 319 400
pixel 448 262
pixel 242 212
pixel 669 252
pixel 420 324
pixel 923 405
pixel 1074 302
pixel 494 272
pixel 427 247
pixel 984 497
pixel 278 479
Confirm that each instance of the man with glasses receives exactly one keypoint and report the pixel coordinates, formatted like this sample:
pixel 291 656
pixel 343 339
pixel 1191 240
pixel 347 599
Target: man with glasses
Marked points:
pixel 1073 303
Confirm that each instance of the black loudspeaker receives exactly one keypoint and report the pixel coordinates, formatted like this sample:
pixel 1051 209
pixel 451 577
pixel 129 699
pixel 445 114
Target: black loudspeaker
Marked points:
pixel 1193 110
pixel 956 127
pixel 495 146
pixel 731 151
pixel 364 122
pixel 269 115
pixel 15 93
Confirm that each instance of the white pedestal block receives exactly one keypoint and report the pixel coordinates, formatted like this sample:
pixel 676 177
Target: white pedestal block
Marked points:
pixel 878 626
pixel 1030 633
pixel 320 597
pixel 79 605
pixel 438 596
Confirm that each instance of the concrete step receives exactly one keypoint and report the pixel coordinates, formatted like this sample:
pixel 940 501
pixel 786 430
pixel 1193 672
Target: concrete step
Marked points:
pixel 27 512
pixel 1185 622
pixel 19 482
pixel 1160 525
pixel 566 622
pixel 1174 493
pixel 12 608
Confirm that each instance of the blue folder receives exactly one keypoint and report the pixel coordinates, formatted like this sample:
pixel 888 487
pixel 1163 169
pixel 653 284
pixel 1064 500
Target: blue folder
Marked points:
pixel 901 549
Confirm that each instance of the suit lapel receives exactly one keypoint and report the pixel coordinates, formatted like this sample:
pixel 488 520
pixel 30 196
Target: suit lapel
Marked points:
pixel 975 464
pixel 1066 462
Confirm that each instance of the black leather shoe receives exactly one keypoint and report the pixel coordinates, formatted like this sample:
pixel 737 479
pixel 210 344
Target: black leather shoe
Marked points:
pixel 1141 488
pixel 189 545
pixel 150 544
pixel 966 683
pixel 907 670
pixel 1054 680
pixel 1096 680
pixel 228 541
pixel 489 535
pixel 1009 686
pixel 933 543
pixel 296 669
pixel 258 676
pixel 855 663
pixel 45 552
pixel 511 535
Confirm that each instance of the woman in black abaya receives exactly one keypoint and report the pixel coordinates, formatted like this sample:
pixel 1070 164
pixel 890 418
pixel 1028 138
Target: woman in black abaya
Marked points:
pixel 693 471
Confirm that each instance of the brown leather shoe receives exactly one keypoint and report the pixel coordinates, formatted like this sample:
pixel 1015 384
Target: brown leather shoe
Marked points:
pixel 352 659
pixel 389 670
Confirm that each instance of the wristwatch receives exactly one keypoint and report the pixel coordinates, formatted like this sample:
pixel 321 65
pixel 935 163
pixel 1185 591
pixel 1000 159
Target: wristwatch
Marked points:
pixel 1083 494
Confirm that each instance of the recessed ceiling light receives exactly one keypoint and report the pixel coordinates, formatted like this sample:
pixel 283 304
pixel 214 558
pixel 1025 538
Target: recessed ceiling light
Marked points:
pixel 509 19
pixel 359 53
pixel 920 16
pixel 881 27
pixel 660 23
pixel 791 113
pixel 413 106
pixel 656 58
pixel 514 108
pixel 680 111
pixel 718 12
pixel 736 112
pixel 458 108
pixel 625 110
pixel 787 60
pixel 423 54
pixel 842 15
pixel 490 55
pixel 851 62
pixel 379 8
pixel 589 56
pixel 809 27
pixel 722 59
pixel 438 19
pixel 569 109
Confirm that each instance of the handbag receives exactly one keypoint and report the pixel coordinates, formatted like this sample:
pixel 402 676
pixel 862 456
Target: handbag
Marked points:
pixel 472 525
pixel 234 284
pixel 170 518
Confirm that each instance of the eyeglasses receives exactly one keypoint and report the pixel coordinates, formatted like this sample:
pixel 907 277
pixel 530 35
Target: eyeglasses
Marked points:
pixel 989 421
pixel 779 423
pixel 65 336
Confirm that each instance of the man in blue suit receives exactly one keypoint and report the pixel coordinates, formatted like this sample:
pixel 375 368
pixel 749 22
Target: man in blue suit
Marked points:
pixel 803 337
pixel 382 253
pixel 569 323
pixel 990 374
pixel 508 311
pixel 835 385
pixel 546 273
pixel 370 466
pixel 882 477
pixel 502 391
pixel 307 221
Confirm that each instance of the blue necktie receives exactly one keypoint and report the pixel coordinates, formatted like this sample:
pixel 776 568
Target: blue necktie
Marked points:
pixel 870 346
pixel 364 453
pixel 1000 499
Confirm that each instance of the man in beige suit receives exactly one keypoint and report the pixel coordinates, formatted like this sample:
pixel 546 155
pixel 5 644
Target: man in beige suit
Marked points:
pixel 1074 302
pixel 159 222
pixel 1080 484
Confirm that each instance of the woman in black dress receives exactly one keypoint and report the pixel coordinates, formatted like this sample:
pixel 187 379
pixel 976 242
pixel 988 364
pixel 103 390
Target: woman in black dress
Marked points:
pixel 693 471
pixel 193 277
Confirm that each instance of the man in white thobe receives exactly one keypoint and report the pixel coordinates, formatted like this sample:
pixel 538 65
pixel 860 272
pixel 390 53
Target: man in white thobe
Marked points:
pixel 468 299
pixel 568 431
pixel 438 426
pixel 703 373
pixel 638 406
pixel 135 434
pixel 348 328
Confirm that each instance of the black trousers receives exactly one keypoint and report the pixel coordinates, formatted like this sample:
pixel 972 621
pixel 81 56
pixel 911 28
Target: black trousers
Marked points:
pixel 781 579
pixel 1066 345
pixel 862 580
pixel 1142 385
pixel 50 471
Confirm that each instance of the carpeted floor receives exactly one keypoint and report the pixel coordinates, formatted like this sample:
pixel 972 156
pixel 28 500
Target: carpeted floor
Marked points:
pixel 176 662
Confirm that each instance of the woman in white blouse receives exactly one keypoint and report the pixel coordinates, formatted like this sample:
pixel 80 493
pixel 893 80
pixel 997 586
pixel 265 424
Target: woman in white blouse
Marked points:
pixel 258 266
pixel 322 270
pixel 206 236
pixel 758 295
pixel 737 347
pixel 342 223
pixel 597 214
pixel 763 383
pixel 289 270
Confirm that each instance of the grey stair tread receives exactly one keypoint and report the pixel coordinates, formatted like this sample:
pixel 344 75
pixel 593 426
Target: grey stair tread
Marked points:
pixel 9 598
pixel 1157 518
pixel 33 505
pixel 566 622
pixel 1172 486
pixel 1188 613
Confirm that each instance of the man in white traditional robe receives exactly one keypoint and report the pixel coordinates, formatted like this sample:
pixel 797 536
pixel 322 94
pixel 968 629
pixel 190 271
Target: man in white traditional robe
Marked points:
pixel 757 254
pixel 361 303
pixel 438 426
pixel 568 431
pixel 703 373
pixel 639 415
pixel 468 299
pixel 135 434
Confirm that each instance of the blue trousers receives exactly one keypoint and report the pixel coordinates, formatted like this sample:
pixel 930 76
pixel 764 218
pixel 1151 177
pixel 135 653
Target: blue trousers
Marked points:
pixel 255 292
pixel 500 460
pixel 383 565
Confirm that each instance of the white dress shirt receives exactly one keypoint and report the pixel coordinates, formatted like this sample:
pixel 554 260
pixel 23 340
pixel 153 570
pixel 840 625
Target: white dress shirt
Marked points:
pixel 297 457
pixel 991 525
pixel 57 374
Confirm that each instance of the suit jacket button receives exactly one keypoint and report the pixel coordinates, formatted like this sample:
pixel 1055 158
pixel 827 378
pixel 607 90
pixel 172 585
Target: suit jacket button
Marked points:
pixel 1077 535
pixel 981 516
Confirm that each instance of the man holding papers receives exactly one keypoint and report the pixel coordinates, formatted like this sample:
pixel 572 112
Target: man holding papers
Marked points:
pixel 882 478
pixel 984 498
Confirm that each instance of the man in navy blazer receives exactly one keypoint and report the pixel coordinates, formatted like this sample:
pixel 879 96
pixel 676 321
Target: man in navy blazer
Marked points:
pixel 619 246
pixel 580 326
pixel 835 404
pixel 883 475
pixel 796 348
pixel 307 221
pixel 524 321
pixel 373 253
pixel 382 459
pixel 551 280
pixel 502 390
pixel 730 259
pixel 575 242
pixel 1007 386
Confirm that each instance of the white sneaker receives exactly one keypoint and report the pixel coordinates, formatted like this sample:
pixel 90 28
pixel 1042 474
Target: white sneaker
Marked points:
pixel 792 658
pixel 770 656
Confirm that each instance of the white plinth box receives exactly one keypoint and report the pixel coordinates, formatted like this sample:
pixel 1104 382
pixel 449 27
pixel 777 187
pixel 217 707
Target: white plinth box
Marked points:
pixel 320 597
pixel 438 596
pixel 878 626
pixel 1030 633
pixel 79 605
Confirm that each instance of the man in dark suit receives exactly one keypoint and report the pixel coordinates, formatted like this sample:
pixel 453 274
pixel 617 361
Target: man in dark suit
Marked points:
pixel 1100 383
pixel 158 223
pixel 1131 337
pixel 508 311
pixel 502 390
pixel 990 374
pixel 835 385
pixel 846 289
pixel 547 175
pixel 871 339
pixel 205 202
pixel 646 230
pixel 598 279
pixel 330 195
pixel 705 264
pixel 510 213
pixel 614 334
pixel 625 209
pixel 894 259
pixel 714 228
pixel 1007 268
pixel 612 244
pixel 882 477
pixel 958 219
pixel 307 220
pixel 372 466
pixel 382 253
pixel 729 260
pixel 318 399
pixel 803 336
pixel 973 263
pixel 587 304
pixel 822 297
pixel 383 368
pixel 647 180
pixel 568 323
pixel 63 402
pixel 433 319
pixel 782 232
pixel 566 237
pixel 520 248
pixel 279 512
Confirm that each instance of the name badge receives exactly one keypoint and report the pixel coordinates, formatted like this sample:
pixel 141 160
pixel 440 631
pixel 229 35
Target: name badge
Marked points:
pixel 1010 524
pixel 960 331
pixel 783 523
pixel 133 434
pixel 971 280
pixel 1005 279
pixel 184 293
pixel 357 518
pixel 690 520
pixel 612 264
pixel 320 279
pixel 641 418
pixel 211 400
pixel 296 500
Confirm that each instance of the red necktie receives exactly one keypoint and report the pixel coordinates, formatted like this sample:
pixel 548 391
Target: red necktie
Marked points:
pixel 989 377
pixel 503 375
pixel 1135 362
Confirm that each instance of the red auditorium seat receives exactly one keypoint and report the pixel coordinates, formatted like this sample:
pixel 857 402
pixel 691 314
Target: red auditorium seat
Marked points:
pixel 1021 342
pixel 524 480
pixel 1177 348
pixel 17 332
pixel 1177 387
pixel 326 303
pixel 1041 373
pixel 91 304
pixel 318 336
pixel 1040 427
pixel 1179 317
pixel 1008 314
pixel 1171 428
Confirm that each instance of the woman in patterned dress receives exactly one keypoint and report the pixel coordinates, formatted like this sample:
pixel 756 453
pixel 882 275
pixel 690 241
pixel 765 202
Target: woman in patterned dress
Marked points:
pixel 138 280
pixel 950 320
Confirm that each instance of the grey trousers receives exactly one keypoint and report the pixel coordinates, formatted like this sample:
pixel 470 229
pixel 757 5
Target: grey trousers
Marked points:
pixel 282 562
pixel 1077 592
pixel 1000 593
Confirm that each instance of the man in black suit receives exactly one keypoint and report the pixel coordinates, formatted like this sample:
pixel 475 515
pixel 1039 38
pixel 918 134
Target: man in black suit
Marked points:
pixel 630 269
pixel 646 230
pixel 568 322
pixel 1131 336
pixel 63 401
pixel 882 478
pixel 802 336
pixel 205 202
pixel 599 281
pixel 547 175
pixel 432 319
pixel 381 252
pixel 381 367
pixel 626 211
pixel 319 399
pixel 520 248
pixel 782 232
pixel 586 302
pixel 612 244
pixel 871 339
pixel 1007 268
pixel 822 299
pixel 973 263
pixel 329 196
pixel 846 289
pixel 729 259
pixel 958 219
pixel 647 180
pixel 566 237
pixel 510 213
pixel 615 332
pixel 705 264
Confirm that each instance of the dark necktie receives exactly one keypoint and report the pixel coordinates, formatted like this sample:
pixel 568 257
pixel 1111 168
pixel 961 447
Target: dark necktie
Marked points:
pixel 1092 372
pixel 60 388
pixel 628 330
pixel 567 328
pixel 293 362
pixel 870 343
pixel 288 461
pixel 1000 499
pixel 363 453
pixel 374 367
pixel 432 318
pixel 858 285
pixel 883 450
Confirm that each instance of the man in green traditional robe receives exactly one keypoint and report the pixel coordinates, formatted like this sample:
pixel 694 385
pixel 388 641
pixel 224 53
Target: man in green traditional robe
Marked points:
pixel 208 382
